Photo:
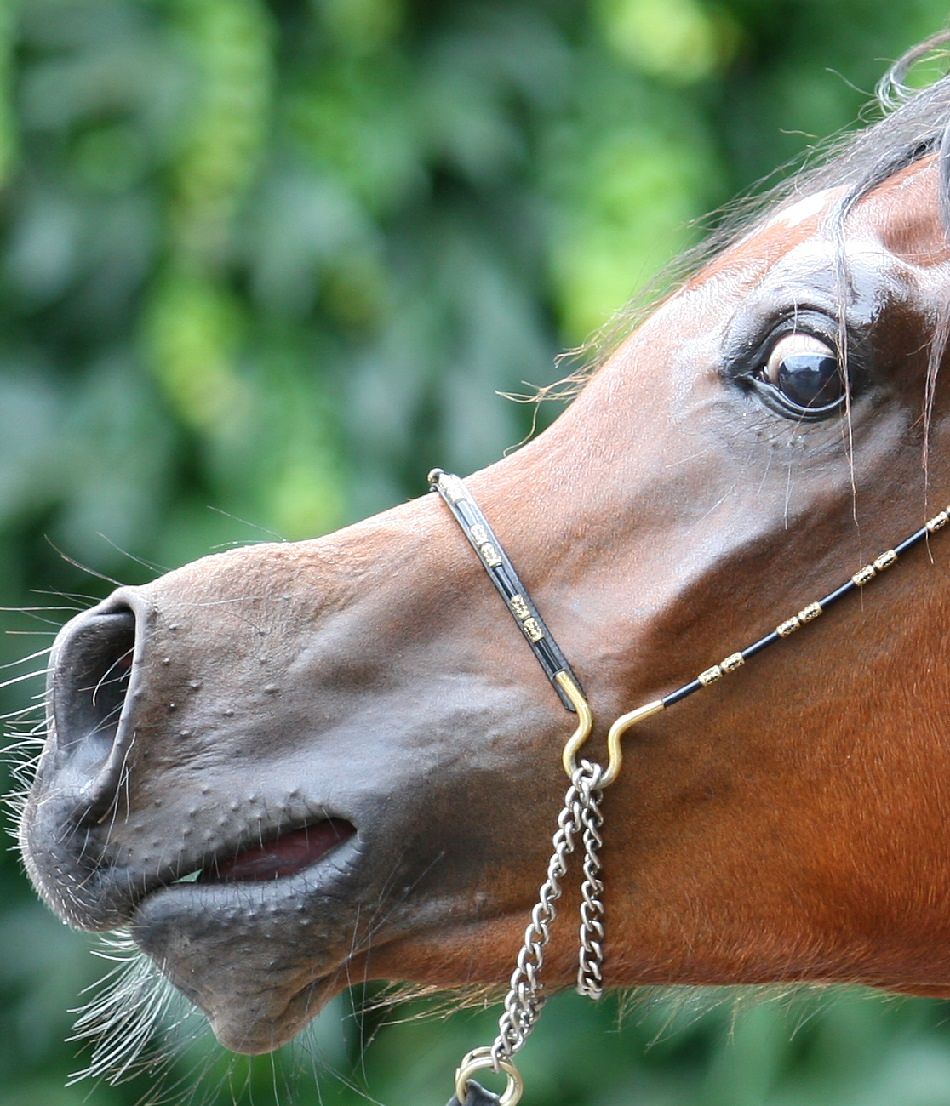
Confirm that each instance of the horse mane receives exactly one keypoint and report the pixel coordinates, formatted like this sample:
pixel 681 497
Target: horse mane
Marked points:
pixel 903 125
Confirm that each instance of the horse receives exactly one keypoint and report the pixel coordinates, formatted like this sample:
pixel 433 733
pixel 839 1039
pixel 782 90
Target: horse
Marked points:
pixel 283 766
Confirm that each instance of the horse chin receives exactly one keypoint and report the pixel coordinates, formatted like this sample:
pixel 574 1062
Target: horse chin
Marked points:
pixel 260 959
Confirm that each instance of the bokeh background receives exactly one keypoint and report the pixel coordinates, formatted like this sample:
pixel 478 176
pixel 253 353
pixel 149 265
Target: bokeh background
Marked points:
pixel 263 263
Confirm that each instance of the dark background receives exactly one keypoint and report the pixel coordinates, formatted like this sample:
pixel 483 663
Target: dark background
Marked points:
pixel 262 264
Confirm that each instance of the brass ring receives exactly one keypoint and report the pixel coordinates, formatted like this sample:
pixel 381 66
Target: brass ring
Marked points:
pixel 480 1059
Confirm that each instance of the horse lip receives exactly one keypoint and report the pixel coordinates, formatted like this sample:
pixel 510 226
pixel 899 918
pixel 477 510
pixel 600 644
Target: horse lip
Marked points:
pixel 308 842
pixel 280 856
pixel 177 875
pixel 113 893
pixel 231 948
pixel 284 886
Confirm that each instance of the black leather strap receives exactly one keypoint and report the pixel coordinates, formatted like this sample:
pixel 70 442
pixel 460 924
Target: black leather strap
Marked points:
pixel 502 574
pixel 476 1096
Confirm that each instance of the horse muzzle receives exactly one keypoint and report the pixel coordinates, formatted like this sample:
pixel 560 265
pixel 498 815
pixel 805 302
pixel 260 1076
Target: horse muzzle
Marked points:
pixel 100 702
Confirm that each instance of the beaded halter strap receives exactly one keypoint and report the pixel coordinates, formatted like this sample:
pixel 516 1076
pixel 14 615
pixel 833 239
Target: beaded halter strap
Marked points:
pixel 580 817
pixel 502 574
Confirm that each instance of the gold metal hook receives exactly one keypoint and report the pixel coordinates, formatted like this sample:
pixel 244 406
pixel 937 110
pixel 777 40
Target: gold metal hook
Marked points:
pixel 585 722
pixel 616 732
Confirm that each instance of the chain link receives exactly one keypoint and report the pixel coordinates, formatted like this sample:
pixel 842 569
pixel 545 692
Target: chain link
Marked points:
pixel 590 973
pixel 580 815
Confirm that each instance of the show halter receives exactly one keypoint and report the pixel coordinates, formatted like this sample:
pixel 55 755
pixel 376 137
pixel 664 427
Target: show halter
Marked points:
pixel 581 815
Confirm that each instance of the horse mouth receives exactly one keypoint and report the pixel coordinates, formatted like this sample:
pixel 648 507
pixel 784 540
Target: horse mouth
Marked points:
pixel 257 936
pixel 284 855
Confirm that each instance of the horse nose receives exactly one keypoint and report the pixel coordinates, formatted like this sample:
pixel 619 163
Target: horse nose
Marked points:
pixel 88 687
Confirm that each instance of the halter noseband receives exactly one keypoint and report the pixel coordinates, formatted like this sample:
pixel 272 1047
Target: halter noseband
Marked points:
pixel 581 816
pixel 502 574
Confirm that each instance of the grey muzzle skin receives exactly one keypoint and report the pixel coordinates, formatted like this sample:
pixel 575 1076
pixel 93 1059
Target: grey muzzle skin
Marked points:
pixel 88 697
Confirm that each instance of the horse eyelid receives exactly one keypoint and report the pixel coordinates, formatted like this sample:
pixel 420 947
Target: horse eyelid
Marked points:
pixel 744 369
pixel 744 356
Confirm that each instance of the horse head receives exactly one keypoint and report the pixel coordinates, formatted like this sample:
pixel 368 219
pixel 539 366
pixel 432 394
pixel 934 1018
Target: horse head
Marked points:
pixel 349 742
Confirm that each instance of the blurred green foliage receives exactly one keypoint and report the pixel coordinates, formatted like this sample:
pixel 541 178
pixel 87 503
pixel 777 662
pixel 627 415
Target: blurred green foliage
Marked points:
pixel 270 261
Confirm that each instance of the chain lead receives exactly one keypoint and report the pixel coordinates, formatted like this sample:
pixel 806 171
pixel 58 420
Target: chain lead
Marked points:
pixel 590 972
pixel 580 818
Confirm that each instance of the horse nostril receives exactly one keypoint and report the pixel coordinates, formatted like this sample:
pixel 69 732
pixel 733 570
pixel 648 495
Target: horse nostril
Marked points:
pixel 89 682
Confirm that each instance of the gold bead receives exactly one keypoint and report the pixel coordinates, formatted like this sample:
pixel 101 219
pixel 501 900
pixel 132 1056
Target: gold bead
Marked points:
pixel 489 555
pixel 532 631
pixel 732 662
pixel 886 559
pixel 710 676
pixel 519 608
pixel 810 613
pixel 786 629
pixel 938 521
pixel 864 576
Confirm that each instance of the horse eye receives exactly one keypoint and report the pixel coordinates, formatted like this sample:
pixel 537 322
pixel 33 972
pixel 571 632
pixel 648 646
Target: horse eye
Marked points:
pixel 805 371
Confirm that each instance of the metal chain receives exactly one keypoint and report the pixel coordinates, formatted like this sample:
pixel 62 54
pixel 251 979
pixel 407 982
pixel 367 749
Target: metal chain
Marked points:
pixel 579 815
pixel 590 973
